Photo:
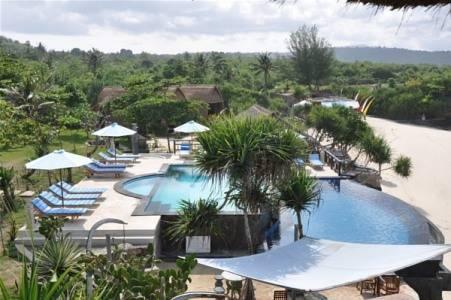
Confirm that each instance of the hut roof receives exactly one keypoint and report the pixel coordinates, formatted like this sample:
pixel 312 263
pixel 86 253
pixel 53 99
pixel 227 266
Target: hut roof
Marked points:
pixel 205 92
pixel 256 111
pixel 109 93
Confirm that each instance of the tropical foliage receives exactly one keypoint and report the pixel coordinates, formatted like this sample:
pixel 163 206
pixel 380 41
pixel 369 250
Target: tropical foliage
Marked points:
pixel 195 218
pixel 300 193
pixel 252 155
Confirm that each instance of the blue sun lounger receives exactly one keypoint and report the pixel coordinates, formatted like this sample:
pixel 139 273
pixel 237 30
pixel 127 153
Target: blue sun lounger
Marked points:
pixel 56 190
pixel 110 159
pixel 52 200
pixel 185 150
pixel 123 155
pixel 93 169
pixel 42 209
pixel 315 161
pixel 108 166
pixel 299 162
pixel 70 189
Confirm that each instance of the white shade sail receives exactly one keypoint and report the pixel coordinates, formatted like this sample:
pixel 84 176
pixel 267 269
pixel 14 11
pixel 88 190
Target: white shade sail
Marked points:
pixel 191 127
pixel 58 159
pixel 315 265
pixel 114 130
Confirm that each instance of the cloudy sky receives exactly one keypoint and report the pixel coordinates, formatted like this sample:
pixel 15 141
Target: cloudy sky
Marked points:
pixel 174 26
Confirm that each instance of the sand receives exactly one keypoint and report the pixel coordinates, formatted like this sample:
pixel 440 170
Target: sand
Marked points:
pixel 428 189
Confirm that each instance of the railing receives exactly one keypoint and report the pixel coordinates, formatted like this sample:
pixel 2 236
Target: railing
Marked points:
pixel 337 164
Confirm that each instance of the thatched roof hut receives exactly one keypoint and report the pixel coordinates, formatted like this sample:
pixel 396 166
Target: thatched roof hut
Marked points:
pixel 256 111
pixel 207 93
pixel 109 93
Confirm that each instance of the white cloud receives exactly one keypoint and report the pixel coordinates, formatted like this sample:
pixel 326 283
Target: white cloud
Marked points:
pixel 226 25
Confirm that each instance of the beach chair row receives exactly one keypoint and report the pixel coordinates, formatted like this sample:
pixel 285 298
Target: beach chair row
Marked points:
pixel 65 200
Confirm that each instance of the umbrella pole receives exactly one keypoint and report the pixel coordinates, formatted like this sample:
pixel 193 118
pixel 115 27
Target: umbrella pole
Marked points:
pixel 115 154
pixel 61 186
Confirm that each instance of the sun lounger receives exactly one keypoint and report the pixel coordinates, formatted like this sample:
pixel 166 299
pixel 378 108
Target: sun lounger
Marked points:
pixel 315 162
pixel 42 209
pixel 124 155
pixel 56 190
pixel 299 162
pixel 92 169
pixel 109 159
pixel 51 199
pixel 109 166
pixel 68 188
pixel 185 150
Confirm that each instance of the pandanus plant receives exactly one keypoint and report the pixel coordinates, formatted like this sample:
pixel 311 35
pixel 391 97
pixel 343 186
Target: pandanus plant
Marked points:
pixel 300 193
pixel 6 185
pixel 251 155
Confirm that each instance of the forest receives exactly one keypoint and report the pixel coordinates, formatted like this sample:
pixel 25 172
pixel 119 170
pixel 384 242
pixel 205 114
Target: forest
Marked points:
pixel 59 89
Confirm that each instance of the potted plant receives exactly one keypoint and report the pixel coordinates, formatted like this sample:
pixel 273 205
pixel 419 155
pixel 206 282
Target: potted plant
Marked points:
pixel 196 223
pixel 12 234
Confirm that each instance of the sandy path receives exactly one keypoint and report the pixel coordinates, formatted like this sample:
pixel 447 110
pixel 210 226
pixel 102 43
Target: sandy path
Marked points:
pixel 429 187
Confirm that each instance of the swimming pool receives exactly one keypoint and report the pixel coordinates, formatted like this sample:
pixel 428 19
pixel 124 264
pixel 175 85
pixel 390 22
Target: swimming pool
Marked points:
pixel 348 211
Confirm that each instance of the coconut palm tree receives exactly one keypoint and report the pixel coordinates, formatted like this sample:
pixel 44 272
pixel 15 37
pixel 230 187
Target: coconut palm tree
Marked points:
pixel 263 66
pixel 300 192
pixel 252 154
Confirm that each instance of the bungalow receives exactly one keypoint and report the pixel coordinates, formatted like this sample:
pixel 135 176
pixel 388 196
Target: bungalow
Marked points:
pixel 207 93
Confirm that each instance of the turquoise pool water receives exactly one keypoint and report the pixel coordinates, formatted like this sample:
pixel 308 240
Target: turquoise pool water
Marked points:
pixel 348 211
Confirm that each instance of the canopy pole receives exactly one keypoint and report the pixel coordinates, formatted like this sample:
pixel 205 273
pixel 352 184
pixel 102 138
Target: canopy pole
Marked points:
pixel 61 186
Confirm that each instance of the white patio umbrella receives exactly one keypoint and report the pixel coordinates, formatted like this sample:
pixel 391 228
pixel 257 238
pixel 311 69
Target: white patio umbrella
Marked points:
pixel 191 127
pixel 58 160
pixel 114 130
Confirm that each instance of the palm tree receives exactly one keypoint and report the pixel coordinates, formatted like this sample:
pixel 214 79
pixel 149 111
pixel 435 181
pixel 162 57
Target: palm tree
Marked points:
pixel 263 66
pixel 300 192
pixel 94 60
pixel 252 154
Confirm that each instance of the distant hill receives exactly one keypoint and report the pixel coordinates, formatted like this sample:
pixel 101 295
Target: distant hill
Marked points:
pixel 344 54
pixel 392 55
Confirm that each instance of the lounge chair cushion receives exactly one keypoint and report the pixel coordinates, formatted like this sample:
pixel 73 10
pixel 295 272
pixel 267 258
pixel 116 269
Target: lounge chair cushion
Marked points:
pixel 81 190
pixel 56 190
pixel 50 198
pixel 41 206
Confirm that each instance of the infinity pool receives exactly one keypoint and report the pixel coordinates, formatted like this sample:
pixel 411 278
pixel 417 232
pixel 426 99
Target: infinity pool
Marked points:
pixel 348 211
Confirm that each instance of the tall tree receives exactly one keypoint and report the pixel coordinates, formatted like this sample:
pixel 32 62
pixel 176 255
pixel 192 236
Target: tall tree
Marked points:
pixel 94 60
pixel 200 67
pixel 311 54
pixel 263 66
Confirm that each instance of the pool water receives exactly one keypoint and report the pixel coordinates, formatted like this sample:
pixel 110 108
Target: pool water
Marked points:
pixel 348 211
